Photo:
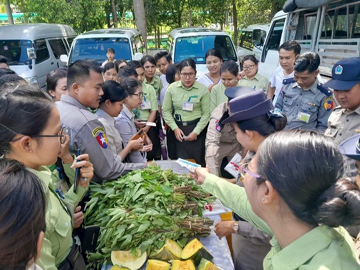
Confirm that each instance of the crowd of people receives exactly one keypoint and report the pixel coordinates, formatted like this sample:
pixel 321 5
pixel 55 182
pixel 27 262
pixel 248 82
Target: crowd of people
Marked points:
pixel 295 197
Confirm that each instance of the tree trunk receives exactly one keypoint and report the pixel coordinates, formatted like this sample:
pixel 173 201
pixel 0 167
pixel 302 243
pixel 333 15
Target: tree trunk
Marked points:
pixel 9 12
pixel 113 8
pixel 190 18
pixel 108 19
pixel 159 37
pixel 140 19
pixel 235 23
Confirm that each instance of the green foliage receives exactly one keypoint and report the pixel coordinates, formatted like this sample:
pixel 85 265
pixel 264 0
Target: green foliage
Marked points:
pixel 144 208
pixel 82 15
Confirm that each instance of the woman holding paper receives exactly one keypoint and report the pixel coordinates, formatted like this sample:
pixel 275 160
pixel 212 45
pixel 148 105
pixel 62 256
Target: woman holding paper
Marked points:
pixel 125 121
pixel 257 120
pixel 186 112
pixel 111 105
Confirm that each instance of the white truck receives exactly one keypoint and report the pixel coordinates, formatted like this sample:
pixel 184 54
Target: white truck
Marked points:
pixel 330 28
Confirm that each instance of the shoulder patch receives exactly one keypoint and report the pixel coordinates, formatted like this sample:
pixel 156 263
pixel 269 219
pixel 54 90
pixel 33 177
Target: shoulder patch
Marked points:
pixel 102 140
pixel 324 90
pixel 288 81
pixel 97 130
pixel 329 104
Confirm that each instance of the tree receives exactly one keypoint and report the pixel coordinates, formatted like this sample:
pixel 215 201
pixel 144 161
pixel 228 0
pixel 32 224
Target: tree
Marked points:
pixel 8 11
pixel 113 8
pixel 140 18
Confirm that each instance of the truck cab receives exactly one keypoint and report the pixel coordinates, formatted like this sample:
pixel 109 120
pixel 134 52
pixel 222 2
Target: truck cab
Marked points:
pixel 332 30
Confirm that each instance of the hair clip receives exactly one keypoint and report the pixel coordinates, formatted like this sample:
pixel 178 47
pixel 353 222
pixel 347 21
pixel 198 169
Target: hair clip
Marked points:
pixel 275 113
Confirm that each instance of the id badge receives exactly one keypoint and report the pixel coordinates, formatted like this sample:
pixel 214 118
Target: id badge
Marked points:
pixel 187 106
pixel 304 117
pixel 146 105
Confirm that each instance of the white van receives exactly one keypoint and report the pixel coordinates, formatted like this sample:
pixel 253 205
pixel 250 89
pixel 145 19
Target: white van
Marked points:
pixel 252 39
pixel 33 50
pixel 127 43
pixel 193 43
pixel 332 30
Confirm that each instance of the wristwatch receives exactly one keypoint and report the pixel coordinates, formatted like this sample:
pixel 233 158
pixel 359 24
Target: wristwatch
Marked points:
pixel 236 227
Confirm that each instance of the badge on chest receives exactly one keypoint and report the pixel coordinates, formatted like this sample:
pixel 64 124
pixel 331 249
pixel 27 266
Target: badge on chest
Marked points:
pixel 304 117
pixel 146 105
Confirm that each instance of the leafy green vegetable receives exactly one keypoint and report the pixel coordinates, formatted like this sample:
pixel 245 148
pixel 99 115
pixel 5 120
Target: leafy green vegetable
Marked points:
pixel 144 208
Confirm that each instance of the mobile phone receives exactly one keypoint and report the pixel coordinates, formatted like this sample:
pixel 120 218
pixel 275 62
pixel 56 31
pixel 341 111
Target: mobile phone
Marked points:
pixel 77 172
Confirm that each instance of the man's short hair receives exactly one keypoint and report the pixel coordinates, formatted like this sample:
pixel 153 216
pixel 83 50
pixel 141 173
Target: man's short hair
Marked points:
pixel 291 45
pixel 126 72
pixel 309 61
pixel 80 71
pixel 162 54
pixel 135 64
pixel 111 50
pixel 3 60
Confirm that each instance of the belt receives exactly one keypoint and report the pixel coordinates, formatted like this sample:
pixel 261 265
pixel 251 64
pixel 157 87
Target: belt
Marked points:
pixel 187 123
pixel 74 260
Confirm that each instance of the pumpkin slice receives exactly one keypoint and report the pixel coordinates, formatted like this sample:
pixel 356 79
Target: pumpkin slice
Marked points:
pixel 206 265
pixel 115 267
pixel 195 251
pixel 125 258
pixel 183 265
pixel 170 251
pixel 157 265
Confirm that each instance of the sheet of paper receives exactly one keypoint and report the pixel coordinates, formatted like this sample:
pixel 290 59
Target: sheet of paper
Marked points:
pixel 231 168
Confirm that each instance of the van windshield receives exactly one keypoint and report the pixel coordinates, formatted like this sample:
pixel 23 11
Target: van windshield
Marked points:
pixel 95 48
pixel 196 47
pixel 15 51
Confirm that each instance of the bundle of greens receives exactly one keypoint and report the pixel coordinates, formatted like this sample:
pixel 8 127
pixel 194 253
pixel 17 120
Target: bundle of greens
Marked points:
pixel 143 209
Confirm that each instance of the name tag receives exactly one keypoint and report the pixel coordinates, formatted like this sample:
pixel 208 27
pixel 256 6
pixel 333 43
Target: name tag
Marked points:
pixel 146 105
pixel 304 117
pixel 187 106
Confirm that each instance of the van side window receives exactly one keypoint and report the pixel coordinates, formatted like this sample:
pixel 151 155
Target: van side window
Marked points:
pixel 42 52
pixel 246 40
pixel 58 47
pixel 69 41
pixel 275 36
pixel 342 23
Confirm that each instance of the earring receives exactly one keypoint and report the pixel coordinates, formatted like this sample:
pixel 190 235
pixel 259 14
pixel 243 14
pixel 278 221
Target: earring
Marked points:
pixel 263 200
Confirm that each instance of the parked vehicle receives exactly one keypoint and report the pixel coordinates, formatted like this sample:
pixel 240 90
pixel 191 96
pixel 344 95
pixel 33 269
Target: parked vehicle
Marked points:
pixel 252 40
pixel 127 43
pixel 34 50
pixel 330 28
pixel 193 43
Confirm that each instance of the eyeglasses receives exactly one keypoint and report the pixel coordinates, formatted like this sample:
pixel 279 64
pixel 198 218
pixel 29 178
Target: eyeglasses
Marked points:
pixel 187 75
pixel 249 67
pixel 139 95
pixel 62 133
pixel 242 169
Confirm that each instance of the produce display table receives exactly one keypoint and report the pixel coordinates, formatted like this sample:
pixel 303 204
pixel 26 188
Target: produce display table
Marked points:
pixel 219 249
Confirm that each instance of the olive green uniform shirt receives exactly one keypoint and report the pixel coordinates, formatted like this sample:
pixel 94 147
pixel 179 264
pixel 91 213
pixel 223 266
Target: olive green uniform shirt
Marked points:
pixel 343 124
pixel 321 248
pixel 176 95
pixel 149 102
pixel 259 82
pixel 156 83
pixel 217 96
pixel 59 219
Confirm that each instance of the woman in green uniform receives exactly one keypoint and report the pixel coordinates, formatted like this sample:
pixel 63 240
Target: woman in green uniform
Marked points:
pixel 229 73
pixel 35 137
pixel 252 78
pixel 294 191
pixel 149 64
pixel 186 112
